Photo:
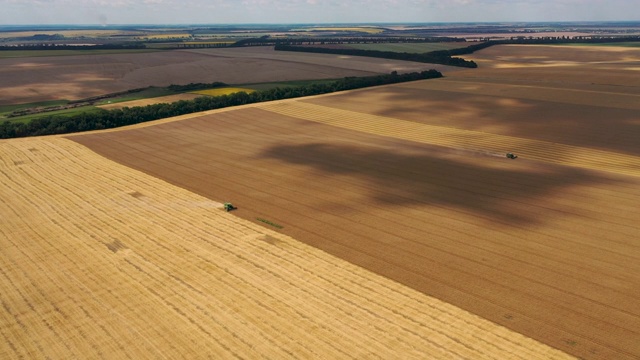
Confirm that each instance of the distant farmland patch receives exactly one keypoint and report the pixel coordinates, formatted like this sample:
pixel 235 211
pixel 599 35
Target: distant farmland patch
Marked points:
pixel 631 44
pixel 8 54
pixel 368 30
pixel 408 47
pixel 167 36
pixel 224 42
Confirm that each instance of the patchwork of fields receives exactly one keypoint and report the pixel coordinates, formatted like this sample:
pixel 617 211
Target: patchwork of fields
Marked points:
pixel 389 198
pixel 168 99
pixel 78 77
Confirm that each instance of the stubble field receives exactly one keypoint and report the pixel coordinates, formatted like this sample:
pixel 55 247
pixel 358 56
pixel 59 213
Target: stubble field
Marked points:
pixel 101 261
pixel 410 181
pixel 419 227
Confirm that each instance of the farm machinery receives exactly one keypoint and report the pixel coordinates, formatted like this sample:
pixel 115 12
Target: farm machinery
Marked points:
pixel 229 206
pixel 512 156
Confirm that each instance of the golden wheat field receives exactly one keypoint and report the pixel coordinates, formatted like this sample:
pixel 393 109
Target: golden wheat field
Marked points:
pixel 102 261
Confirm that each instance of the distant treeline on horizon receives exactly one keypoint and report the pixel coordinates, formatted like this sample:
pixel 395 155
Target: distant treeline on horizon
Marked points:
pixel 276 25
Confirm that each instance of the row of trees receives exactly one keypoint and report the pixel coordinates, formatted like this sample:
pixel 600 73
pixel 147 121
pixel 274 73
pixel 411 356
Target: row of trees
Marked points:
pixel 591 39
pixel 295 41
pixel 361 39
pixel 443 57
pixel 104 119
pixel 195 86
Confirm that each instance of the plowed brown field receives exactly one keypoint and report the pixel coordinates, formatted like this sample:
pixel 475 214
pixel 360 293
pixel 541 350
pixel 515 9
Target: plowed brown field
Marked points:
pixel 410 181
pixel 79 77
pixel 102 261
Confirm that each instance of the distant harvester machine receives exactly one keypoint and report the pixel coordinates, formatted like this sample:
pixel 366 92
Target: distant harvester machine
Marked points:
pixel 228 207
pixel 512 156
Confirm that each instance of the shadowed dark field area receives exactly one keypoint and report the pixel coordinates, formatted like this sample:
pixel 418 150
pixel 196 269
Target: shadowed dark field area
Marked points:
pixel 423 175
pixel 569 117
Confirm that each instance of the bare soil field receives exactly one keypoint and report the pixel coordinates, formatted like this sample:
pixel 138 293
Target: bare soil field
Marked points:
pixel 102 261
pixel 150 101
pixel 78 77
pixel 410 181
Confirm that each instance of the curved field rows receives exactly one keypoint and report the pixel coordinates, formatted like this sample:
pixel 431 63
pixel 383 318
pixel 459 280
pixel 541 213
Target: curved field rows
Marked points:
pixel 475 141
pixel 102 261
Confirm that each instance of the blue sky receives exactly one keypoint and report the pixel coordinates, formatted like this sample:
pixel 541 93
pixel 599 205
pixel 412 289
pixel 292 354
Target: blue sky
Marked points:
pixel 310 11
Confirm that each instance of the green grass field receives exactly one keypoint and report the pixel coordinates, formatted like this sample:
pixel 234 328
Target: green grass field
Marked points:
pixel 67 112
pixel 5 109
pixel 144 94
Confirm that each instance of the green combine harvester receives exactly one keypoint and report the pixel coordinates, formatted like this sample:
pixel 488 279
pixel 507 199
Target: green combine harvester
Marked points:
pixel 512 156
pixel 229 206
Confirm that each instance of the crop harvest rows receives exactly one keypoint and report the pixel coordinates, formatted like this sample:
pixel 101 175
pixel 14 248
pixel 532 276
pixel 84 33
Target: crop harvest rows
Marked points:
pixel 100 260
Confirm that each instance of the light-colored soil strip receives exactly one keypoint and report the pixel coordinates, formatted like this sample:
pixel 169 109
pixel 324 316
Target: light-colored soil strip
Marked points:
pixel 151 101
pixel 222 91
pixel 461 139
pixel 99 260
pixel 583 96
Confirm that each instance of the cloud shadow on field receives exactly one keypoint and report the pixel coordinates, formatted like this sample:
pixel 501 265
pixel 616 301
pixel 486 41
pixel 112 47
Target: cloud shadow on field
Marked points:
pixel 597 125
pixel 431 175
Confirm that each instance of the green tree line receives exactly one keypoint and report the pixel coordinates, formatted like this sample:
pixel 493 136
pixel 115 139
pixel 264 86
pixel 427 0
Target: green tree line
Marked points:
pixel 447 57
pixel 443 57
pixel 321 40
pixel 104 119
